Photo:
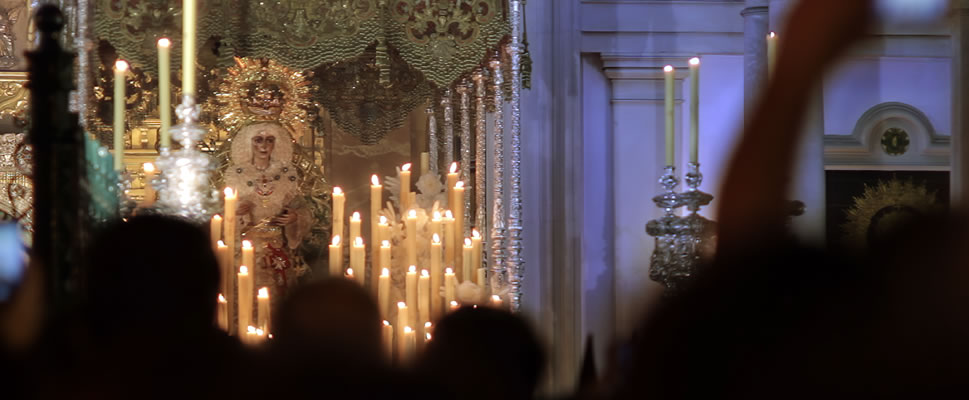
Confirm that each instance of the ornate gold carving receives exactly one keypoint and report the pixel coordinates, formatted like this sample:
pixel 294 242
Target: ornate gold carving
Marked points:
pixel 8 38
pixel 16 188
pixel 263 90
pixel 887 206
pixel 14 97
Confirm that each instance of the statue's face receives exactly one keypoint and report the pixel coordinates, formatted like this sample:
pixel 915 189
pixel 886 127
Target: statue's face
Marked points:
pixel 263 144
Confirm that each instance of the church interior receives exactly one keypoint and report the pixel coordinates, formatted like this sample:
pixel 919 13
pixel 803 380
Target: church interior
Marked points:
pixel 479 199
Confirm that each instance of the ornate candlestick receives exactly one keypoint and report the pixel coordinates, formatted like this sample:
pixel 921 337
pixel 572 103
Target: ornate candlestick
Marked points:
pixel 498 231
pixel 183 185
pixel 662 263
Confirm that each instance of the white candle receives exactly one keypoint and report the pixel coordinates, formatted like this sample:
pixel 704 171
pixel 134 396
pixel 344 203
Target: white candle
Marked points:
pixel 476 252
pixel 402 319
pixel 467 273
pixel 450 285
pixel 349 275
pixel 771 53
pixel 164 91
pixel 383 293
pixel 694 109
pixel 424 297
pixel 436 221
pixel 358 254
pixel 223 313
pixel 404 194
pixel 496 301
pixel 409 346
pixel 411 294
pixel 262 309
pixel 229 233
pixel 383 234
pixel 387 334
pixel 355 223
pixel 215 230
pixel 450 239
pixel 452 179
pixel 339 201
pixel 245 298
pixel 225 269
pixel 458 195
pixel 669 73
pixel 411 223
pixel 376 199
pixel 425 162
pixel 250 337
pixel 149 199
pixel 436 278
pixel 248 254
pixel 336 256
pixel 120 67
pixel 453 305
pixel 188 47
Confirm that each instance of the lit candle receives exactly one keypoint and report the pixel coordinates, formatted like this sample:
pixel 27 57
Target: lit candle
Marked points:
pixel 669 73
pixel 120 67
pixel 424 297
pixel 385 254
pixel 405 186
pixel 355 223
pixel 376 196
pixel 349 275
pixel 250 337
pixel 411 294
pixel 336 256
pixel 457 193
pixel 450 239
pixel 248 254
pixel 436 221
pixel 383 231
pixel 223 313
pixel 450 285
pixel 225 268
pixel 387 334
pixel 411 223
pixel 496 301
pixel 452 179
pixel 215 229
pixel 149 199
pixel 383 293
pixel 771 53
pixel 694 109
pixel 358 255
pixel 188 47
pixel 402 319
pixel 339 200
pixel 467 273
pixel 425 162
pixel 165 91
pixel 245 298
pixel 262 309
pixel 229 226
pixel 476 252
pixel 453 305
pixel 409 346
pixel 436 274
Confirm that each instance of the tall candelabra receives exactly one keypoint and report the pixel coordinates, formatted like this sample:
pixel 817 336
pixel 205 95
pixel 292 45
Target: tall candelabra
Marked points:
pixel 183 187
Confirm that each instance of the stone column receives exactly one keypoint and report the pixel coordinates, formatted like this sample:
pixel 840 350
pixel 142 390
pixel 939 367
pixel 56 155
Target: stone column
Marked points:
pixel 756 21
pixel 959 175
pixel 637 163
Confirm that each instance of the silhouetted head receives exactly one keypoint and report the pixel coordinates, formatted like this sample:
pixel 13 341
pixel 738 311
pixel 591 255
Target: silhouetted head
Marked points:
pixel 152 274
pixel 475 345
pixel 334 317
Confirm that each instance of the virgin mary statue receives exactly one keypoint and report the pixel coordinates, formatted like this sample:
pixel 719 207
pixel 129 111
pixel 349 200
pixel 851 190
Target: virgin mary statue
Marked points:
pixel 281 194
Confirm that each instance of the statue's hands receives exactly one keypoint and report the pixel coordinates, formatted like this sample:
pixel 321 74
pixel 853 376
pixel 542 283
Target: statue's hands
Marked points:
pixel 245 207
pixel 288 217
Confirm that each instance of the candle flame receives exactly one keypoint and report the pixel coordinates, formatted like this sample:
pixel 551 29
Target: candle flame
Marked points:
pixel 386 323
pixel 436 239
pixel 251 329
pixel 385 272
pixel 454 167
pixel 459 185
pixel 467 242
pixel 668 68
pixel 355 216
pixel 336 240
pixel 383 220
pixel 221 298
pixel 263 293
pixel 427 324
pixel 243 270
pixel 401 304
pixel 496 298
pixel 412 214
pixel 350 272
pixel 772 35
pixel 217 217
pixel 148 167
pixel 229 193
pixel 374 180
pixel 260 332
pixel 385 243
pixel 405 167
pixel 448 214
pixel 448 271
pixel 246 245
pixel 164 42
pixel 222 245
pixel 358 241
pixel 407 329
pixel 695 61
pixel 425 273
pixel 475 234
pixel 412 268
pixel 454 304
pixel 121 65
pixel 427 336
pixel 436 215
pixel 337 191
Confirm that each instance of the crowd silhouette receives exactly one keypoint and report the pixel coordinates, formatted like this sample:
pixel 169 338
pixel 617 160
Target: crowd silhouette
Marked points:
pixel 767 319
